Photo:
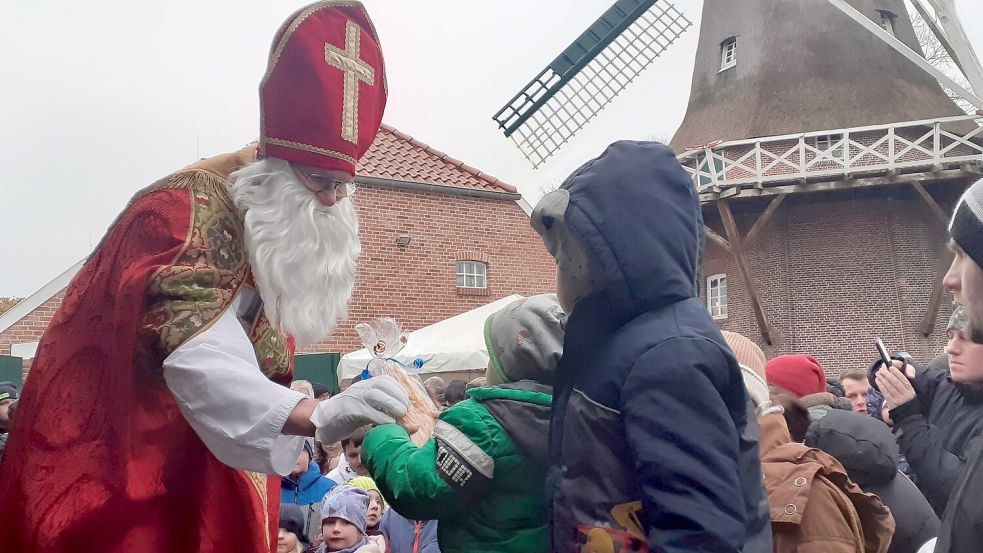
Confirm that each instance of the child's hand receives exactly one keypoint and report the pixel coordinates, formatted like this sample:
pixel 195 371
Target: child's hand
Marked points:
pixel 410 427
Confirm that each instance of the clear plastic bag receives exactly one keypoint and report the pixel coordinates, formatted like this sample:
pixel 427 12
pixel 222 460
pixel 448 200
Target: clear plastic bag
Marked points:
pixel 384 338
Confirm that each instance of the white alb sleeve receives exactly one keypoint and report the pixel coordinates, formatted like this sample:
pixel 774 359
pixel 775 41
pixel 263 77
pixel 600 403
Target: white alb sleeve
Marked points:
pixel 235 410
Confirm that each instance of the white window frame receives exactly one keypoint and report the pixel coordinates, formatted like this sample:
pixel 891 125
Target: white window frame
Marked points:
pixel 829 145
pixel 718 308
pixel 472 274
pixel 728 54
pixel 887 21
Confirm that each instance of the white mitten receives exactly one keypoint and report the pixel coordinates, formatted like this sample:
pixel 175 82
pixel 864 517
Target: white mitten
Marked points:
pixel 378 400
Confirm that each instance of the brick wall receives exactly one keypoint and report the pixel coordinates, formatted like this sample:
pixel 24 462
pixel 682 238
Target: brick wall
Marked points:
pixel 836 270
pixel 31 327
pixel 416 284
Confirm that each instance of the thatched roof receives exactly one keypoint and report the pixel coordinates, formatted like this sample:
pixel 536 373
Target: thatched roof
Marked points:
pixel 802 65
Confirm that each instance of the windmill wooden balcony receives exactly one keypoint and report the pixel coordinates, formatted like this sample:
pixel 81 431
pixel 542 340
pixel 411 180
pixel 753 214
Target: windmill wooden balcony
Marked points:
pixel 909 152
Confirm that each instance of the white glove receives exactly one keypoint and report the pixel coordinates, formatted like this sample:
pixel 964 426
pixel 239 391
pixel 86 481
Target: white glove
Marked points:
pixel 378 400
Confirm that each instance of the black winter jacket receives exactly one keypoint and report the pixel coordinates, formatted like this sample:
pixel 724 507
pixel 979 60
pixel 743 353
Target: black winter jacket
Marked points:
pixel 868 451
pixel 652 431
pixel 934 429
pixel 962 523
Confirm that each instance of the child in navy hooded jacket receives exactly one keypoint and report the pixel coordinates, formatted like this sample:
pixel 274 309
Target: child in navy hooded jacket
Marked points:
pixel 653 440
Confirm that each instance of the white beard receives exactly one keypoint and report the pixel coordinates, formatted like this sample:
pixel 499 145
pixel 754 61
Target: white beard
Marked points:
pixel 303 254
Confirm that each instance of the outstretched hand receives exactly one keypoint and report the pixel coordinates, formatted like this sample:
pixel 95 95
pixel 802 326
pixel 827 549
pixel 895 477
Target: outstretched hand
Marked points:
pixel 378 400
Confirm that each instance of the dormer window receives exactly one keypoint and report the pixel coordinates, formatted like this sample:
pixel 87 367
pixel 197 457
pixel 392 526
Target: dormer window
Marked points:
pixel 887 21
pixel 728 53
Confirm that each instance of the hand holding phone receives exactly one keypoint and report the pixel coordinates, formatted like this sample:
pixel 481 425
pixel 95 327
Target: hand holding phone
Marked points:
pixel 885 356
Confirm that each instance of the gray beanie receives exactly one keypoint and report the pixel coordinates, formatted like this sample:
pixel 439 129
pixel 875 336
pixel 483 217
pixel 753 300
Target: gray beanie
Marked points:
pixel 966 227
pixel 347 503
pixel 525 340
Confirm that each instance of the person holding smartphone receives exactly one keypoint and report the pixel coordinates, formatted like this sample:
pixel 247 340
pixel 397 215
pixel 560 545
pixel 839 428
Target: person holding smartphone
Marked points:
pixel 938 412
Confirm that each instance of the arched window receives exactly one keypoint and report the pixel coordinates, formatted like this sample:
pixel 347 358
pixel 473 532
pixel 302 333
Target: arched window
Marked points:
pixel 728 53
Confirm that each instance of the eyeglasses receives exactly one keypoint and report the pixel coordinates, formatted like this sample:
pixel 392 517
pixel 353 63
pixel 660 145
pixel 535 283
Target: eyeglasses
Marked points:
pixel 321 183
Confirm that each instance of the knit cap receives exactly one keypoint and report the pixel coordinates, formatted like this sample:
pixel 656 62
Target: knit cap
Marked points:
pixel 801 375
pixel 368 484
pixel 958 322
pixel 525 339
pixel 966 227
pixel 752 362
pixel 347 503
pixel 8 392
pixel 292 520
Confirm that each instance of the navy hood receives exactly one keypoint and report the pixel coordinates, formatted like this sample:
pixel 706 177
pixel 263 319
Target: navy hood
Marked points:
pixel 632 220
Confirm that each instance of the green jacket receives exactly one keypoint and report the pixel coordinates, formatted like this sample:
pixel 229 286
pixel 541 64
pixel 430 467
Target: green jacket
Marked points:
pixel 482 474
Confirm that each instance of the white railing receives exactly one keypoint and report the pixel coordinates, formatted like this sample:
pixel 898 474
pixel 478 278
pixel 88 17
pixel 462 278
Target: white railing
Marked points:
pixel 932 144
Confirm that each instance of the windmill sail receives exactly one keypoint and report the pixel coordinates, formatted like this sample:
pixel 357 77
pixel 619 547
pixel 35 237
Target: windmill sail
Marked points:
pixel 588 75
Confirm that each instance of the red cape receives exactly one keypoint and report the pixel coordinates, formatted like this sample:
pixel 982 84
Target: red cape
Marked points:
pixel 100 459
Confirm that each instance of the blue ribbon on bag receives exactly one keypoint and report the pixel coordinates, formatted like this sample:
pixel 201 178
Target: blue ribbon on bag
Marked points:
pixel 417 364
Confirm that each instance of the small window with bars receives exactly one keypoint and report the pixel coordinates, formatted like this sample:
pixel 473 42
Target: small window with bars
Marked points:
pixel 728 53
pixel 717 296
pixel 472 274
pixel 830 145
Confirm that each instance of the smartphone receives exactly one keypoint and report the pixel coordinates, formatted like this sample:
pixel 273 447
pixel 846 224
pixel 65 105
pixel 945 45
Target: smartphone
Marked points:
pixel 885 356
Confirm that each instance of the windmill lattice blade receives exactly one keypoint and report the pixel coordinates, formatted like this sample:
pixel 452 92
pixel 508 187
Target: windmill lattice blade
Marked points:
pixel 554 107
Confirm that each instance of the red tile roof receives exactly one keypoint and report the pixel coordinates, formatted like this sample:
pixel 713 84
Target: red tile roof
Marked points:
pixel 399 156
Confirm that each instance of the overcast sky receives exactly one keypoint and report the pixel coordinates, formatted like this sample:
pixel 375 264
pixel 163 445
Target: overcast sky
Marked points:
pixel 99 99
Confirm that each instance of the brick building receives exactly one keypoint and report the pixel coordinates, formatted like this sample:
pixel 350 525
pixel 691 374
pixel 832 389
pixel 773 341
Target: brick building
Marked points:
pixel 827 165
pixel 438 238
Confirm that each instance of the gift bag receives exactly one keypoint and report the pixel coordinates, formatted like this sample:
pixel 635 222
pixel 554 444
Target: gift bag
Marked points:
pixel 384 338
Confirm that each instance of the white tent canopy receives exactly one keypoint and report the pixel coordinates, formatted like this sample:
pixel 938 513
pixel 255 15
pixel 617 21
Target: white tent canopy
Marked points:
pixel 454 344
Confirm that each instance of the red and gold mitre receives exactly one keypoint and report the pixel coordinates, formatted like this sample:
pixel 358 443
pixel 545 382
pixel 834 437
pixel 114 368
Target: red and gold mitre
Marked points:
pixel 324 90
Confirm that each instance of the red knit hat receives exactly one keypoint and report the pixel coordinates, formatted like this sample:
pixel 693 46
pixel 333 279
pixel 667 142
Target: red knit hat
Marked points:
pixel 800 374
pixel 322 98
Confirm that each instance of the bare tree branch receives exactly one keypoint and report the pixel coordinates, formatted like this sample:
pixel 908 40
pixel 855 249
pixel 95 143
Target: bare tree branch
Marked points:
pixel 936 54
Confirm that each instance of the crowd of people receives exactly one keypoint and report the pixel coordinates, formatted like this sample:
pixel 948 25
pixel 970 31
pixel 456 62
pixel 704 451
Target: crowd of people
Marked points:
pixel 602 430
pixel 614 416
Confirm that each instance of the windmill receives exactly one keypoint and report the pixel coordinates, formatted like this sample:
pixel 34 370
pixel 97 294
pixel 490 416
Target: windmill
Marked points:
pixel 587 75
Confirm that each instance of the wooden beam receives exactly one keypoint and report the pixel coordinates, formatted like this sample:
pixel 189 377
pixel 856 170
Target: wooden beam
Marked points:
pixel 932 204
pixel 938 292
pixel 968 61
pixel 938 32
pixel 716 238
pixel 734 237
pixel 763 219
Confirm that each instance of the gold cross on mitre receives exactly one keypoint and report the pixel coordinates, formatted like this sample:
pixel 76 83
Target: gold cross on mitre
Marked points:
pixel 350 62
